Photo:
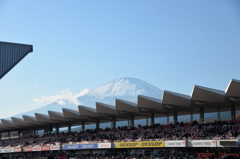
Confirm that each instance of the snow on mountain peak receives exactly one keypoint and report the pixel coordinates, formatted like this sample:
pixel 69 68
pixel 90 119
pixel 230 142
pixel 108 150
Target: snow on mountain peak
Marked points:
pixel 122 88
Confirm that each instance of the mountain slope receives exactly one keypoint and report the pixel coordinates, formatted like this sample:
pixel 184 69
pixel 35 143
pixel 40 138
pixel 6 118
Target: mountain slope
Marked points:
pixel 121 88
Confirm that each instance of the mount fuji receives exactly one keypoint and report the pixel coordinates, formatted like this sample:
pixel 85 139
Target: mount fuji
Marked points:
pixel 122 88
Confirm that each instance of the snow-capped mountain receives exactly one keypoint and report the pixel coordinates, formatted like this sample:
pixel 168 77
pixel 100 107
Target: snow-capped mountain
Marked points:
pixel 121 88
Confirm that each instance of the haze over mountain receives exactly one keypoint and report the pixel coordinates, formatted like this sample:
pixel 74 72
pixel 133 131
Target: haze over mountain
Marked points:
pixel 122 88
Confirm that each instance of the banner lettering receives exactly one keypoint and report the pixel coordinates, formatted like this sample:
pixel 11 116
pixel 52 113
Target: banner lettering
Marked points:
pixel 139 144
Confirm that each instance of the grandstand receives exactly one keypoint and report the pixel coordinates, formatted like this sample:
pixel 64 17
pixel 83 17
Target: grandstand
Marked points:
pixel 193 139
pixel 202 100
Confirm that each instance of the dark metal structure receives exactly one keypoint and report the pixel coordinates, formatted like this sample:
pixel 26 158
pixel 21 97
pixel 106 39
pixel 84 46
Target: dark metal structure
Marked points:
pixel 11 54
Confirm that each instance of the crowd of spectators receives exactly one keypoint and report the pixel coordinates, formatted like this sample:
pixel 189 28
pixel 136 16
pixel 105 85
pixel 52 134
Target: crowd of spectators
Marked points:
pixel 217 130
pixel 161 154
pixel 206 153
pixel 178 131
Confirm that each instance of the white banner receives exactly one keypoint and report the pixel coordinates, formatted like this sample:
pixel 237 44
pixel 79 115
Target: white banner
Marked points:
pixel 38 148
pixel 6 150
pixel 104 145
pixel 55 147
pixel 202 143
pixel 175 143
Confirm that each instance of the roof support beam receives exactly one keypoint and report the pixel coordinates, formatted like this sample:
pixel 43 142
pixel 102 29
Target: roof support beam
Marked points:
pixel 201 111
pixel 97 124
pixel 113 123
pixel 131 121
pixel 69 127
pixel 175 117
pixel 147 119
pixel 233 112
pixel 152 119
pixel 191 116
pixel 218 114
pixel 167 118
pixel 83 126
pixel 57 129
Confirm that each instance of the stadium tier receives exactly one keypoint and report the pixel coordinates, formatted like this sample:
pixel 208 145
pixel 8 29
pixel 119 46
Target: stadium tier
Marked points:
pixel 162 141
pixel 202 100
pixel 193 139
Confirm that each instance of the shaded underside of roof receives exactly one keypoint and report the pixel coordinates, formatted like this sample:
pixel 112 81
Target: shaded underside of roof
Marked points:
pixel 71 114
pixel 3 128
pixel 18 121
pixel 30 119
pixel 126 106
pixel 207 94
pixel 175 102
pixel 176 99
pixel 57 116
pixel 43 118
pixel 86 112
pixel 233 92
pixel 11 54
pixel 106 109
pixel 7 123
pixel 148 104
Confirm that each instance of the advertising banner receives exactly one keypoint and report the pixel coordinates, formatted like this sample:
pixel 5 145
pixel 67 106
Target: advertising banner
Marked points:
pixel 88 146
pixel 80 146
pixel 175 143
pixel 139 144
pixel 36 148
pixel 9 150
pixel 45 148
pixel 104 145
pixel 18 149
pixel 227 143
pixel 27 149
pixel 70 147
pixel 55 147
pixel 202 143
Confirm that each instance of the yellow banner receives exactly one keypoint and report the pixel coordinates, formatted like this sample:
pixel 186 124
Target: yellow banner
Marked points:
pixel 139 144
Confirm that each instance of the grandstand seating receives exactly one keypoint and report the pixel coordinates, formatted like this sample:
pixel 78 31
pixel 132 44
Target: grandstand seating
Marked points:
pixel 180 131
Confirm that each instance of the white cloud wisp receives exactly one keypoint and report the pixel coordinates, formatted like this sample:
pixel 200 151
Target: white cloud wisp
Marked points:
pixel 65 95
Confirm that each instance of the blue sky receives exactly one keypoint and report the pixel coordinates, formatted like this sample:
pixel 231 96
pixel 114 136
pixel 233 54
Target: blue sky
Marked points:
pixel 79 45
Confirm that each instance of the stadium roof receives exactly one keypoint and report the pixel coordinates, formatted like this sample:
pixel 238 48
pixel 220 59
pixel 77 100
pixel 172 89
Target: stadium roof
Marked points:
pixel 175 102
pixel 11 54
pixel 71 114
pixel 211 100
pixel 106 109
pixel 31 120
